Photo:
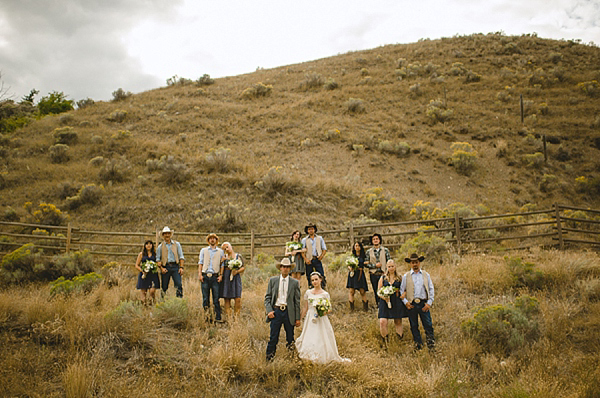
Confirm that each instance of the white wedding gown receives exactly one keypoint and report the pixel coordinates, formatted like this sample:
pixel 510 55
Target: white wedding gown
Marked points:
pixel 317 342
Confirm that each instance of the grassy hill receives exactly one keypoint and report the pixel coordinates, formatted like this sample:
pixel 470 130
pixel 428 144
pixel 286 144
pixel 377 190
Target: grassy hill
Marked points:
pixel 270 149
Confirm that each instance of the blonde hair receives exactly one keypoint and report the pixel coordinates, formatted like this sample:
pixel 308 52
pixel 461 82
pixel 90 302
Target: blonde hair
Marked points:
pixel 396 274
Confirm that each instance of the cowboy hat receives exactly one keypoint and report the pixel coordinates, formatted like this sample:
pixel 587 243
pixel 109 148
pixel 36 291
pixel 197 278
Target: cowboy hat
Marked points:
pixel 165 230
pixel 212 235
pixel 379 236
pixel 414 257
pixel 285 261
pixel 310 225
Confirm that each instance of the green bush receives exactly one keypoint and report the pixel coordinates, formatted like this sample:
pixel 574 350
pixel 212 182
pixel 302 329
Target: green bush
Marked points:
pixel 88 194
pixel 59 153
pixel 534 161
pixel 548 183
pixel 401 149
pixel 524 274
pixel 591 88
pixel 126 312
pixel 355 105
pixel 10 214
pixel 84 103
pixel 173 312
pixel 18 265
pixel 55 103
pixel 46 214
pixel 116 170
pixel 312 81
pixel 503 329
pixel 464 158
pixel 171 169
pixel 205 80
pixel 277 182
pixel 379 206
pixel 218 160
pixel 472 77
pixel 120 95
pixel 79 284
pixel 65 135
pixel 331 84
pixel 256 91
pixel 117 116
pixel 437 112
pixel 429 245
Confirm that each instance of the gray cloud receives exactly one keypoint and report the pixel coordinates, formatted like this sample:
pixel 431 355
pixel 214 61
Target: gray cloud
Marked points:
pixel 74 46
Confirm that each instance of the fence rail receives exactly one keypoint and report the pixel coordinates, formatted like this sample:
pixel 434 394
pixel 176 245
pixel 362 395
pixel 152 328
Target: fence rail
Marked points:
pixel 560 226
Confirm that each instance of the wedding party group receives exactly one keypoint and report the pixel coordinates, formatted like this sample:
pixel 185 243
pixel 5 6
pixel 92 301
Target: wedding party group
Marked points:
pixel 397 295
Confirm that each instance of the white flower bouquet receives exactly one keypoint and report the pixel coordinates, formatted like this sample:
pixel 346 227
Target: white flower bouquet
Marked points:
pixel 385 292
pixel 233 265
pixel 352 263
pixel 322 307
pixel 291 246
pixel 149 267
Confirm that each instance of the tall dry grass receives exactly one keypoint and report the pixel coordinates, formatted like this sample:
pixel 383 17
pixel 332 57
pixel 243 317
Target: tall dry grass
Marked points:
pixel 105 343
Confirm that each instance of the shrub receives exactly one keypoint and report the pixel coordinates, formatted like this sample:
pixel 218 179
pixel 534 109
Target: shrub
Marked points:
pixel 84 103
pixel 358 149
pixel 504 329
pixel 120 95
pixel 116 170
pixel 415 90
pixel 364 72
pixel 97 140
pixel 66 119
pixel 458 69
pixel 55 103
pixel 437 112
pixel 176 80
pixel 79 284
pixel 380 206
pixel 125 313
pixel 117 116
pixel 276 182
pixel 524 274
pixel 333 135
pixel 543 109
pixel 548 183
pixel 355 105
pixel 312 81
pixel 331 84
pixel 121 135
pixel 97 161
pixel 464 158
pixel 534 161
pixel 427 244
pixel 414 69
pixel 229 219
pixel 401 149
pixel 472 77
pixel 173 312
pixel 256 91
pixel 65 135
pixel 205 80
pixel 46 214
pixel 88 194
pixel 18 265
pixel 218 160
pixel 171 169
pixel 59 153
pixel 10 215
pixel 555 57
pixel 591 88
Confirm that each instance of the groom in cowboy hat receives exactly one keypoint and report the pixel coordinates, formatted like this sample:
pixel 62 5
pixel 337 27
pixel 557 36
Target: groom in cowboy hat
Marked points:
pixel 315 251
pixel 170 261
pixel 282 305
pixel 419 297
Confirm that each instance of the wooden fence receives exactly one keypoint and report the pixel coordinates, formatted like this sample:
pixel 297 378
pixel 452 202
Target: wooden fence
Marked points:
pixel 560 226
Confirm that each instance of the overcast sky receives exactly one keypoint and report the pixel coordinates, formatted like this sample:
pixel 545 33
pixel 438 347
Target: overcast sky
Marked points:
pixel 89 48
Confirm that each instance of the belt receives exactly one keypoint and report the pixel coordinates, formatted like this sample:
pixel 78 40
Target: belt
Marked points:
pixel 282 307
pixel 418 300
pixel 171 263
pixel 209 274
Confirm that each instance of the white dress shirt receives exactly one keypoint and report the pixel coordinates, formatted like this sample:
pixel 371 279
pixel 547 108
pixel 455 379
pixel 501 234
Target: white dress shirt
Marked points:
pixel 284 284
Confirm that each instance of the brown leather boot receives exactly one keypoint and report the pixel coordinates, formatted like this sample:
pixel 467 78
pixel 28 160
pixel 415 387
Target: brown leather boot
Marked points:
pixel 366 305
pixel 351 305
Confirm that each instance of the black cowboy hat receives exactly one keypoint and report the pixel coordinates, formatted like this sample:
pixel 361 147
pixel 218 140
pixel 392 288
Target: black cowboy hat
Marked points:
pixel 413 257
pixel 310 225
pixel 379 236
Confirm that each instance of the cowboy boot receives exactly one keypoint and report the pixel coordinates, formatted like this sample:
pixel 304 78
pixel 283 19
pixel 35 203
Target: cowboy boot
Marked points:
pixel 366 305
pixel 385 341
pixel 351 305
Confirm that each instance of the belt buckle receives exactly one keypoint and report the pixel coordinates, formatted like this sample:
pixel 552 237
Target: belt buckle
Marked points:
pixel 282 307
pixel 417 300
pixel 209 275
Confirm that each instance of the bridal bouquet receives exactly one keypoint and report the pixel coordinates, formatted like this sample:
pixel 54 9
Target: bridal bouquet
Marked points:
pixel 233 265
pixel 291 246
pixel 148 267
pixel 385 292
pixel 322 307
pixel 352 263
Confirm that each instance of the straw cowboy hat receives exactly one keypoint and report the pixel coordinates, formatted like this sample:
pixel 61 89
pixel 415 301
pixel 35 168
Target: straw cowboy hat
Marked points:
pixel 414 257
pixel 310 225
pixel 285 261
pixel 212 236
pixel 165 230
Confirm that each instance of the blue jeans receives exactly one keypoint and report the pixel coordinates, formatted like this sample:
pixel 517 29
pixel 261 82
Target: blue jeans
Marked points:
pixel 281 318
pixel 413 317
pixel 172 272
pixel 315 265
pixel 211 285
pixel 375 283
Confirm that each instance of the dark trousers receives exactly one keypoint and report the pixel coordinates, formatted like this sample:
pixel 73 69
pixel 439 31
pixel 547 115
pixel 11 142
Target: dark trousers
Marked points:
pixel 172 272
pixel 315 265
pixel 281 318
pixel 210 285
pixel 375 283
pixel 413 316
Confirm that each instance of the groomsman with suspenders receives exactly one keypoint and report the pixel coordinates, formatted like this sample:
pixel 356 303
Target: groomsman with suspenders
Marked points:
pixel 315 251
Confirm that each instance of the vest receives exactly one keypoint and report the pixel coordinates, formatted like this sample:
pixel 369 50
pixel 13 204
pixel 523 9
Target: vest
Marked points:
pixel 164 255
pixel 216 265
pixel 382 259
pixel 309 248
pixel 410 285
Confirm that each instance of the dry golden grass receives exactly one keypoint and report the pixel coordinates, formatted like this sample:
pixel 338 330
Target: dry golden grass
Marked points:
pixel 86 345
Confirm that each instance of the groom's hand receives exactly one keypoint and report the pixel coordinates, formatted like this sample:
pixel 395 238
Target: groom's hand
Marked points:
pixel 271 315
pixel 297 324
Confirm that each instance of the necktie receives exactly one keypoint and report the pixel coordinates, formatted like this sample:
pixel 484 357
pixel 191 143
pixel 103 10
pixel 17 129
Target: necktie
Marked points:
pixel 284 289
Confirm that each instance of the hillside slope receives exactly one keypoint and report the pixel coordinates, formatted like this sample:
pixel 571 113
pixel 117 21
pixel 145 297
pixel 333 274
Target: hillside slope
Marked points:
pixel 326 131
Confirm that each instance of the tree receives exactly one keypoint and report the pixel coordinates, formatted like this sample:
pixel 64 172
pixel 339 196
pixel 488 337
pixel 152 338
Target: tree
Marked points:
pixel 55 103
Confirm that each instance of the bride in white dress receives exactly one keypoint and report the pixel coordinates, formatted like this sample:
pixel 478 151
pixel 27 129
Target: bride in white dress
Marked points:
pixel 317 342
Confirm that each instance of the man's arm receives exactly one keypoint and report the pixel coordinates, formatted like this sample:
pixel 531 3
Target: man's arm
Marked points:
pixel 388 257
pixel 297 303
pixel 200 266
pixel 268 296
pixel 158 255
pixel 402 290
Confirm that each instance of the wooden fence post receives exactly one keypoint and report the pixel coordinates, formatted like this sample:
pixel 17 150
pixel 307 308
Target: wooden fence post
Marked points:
pixel 156 238
pixel 252 247
pixel 457 227
pixel 68 244
pixel 561 243
pixel 351 235
pixel 522 110
pixel 545 149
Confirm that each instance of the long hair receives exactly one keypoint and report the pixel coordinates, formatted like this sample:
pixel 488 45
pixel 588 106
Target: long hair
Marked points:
pixel 361 253
pixel 397 276
pixel 153 250
pixel 299 235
